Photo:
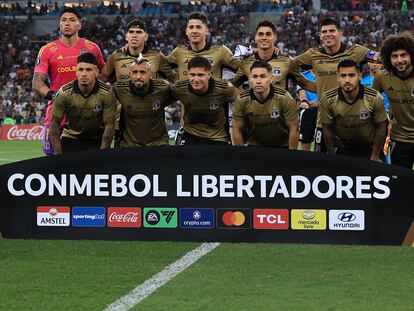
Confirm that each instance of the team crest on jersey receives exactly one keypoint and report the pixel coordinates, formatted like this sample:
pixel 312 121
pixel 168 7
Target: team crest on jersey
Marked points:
pixel 274 113
pixel 214 105
pixel 343 58
pixel 363 114
pixel 156 105
pixel 277 71
pixel 97 107
pixel 37 61
pixel 210 60
pixel 83 51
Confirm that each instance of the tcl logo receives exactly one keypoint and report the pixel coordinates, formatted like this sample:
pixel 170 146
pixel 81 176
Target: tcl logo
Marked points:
pixel 24 132
pixel 124 217
pixel 271 219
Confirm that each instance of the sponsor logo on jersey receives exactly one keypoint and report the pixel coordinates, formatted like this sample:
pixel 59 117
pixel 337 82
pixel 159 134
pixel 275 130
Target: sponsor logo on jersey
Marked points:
pixel 129 217
pixel 271 219
pixel 363 114
pixel 274 113
pixel 197 218
pixel 161 217
pixel 60 57
pixel 53 216
pixel 233 218
pixel 88 216
pixel 349 220
pixel 66 69
pixel 308 219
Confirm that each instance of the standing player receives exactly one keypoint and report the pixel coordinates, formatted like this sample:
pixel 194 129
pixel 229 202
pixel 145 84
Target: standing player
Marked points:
pixel 325 59
pixel 143 101
pixel 57 61
pixel 265 39
pixel 353 116
pixel 397 80
pixel 89 109
pixel 205 101
pixel 269 113
pixel 119 62
pixel 219 56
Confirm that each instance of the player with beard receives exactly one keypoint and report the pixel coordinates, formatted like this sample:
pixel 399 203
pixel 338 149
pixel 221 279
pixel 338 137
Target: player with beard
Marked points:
pixel 269 113
pixel 56 61
pixel 397 80
pixel 142 101
pixel 265 39
pixel 353 116
pixel 89 110
pixel 324 61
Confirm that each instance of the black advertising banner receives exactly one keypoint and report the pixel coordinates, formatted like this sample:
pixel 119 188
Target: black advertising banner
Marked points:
pixel 207 193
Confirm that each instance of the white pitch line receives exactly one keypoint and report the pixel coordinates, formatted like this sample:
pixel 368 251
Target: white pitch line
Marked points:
pixel 151 285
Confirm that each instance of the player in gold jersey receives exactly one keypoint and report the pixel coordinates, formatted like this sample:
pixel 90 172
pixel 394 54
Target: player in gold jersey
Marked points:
pixel 143 101
pixel 353 116
pixel 119 62
pixel 219 56
pixel 265 39
pixel 205 100
pixel 396 79
pixel 269 113
pixel 89 109
pixel 324 61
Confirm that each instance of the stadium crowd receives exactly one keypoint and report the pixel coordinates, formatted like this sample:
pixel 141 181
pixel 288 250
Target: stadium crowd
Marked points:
pixel 297 31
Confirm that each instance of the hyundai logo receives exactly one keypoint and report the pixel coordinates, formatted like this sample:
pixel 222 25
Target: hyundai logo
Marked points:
pixel 346 217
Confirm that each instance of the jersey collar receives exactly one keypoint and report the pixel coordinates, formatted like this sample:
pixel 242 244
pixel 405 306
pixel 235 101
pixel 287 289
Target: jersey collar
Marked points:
pixel 210 89
pixel 360 95
pixel 144 51
pixel 341 50
pixel 257 57
pixel 206 47
pixel 134 91
pixel 270 96
pixel 76 88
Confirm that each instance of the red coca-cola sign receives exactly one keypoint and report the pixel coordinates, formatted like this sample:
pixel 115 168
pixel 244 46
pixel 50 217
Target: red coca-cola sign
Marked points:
pixel 22 132
pixel 124 217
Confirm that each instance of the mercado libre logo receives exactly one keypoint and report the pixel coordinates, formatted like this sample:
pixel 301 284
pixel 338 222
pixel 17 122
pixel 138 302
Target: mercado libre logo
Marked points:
pixel 233 218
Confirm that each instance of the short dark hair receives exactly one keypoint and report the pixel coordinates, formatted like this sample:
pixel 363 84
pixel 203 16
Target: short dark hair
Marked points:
pixel 199 62
pixel 346 63
pixel 70 10
pixel 197 15
pixel 87 58
pixel 404 41
pixel 261 64
pixel 266 23
pixel 330 21
pixel 137 23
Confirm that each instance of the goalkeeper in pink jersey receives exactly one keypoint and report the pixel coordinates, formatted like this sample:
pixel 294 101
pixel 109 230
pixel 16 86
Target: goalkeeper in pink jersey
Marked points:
pixel 57 61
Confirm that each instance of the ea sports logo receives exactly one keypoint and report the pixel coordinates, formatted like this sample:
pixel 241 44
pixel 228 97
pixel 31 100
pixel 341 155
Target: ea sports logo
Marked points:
pixel 152 217
pixel 233 219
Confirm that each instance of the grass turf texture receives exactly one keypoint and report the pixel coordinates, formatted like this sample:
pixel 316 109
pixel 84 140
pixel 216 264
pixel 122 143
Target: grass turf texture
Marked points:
pixel 17 150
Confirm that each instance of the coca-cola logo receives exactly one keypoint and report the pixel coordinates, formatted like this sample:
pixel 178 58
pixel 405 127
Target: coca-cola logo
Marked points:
pixel 124 217
pixel 25 132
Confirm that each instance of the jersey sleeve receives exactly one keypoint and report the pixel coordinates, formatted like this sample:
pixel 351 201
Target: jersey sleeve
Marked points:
pixel 109 70
pixel 109 107
pixel 377 84
pixel 239 78
pixel 290 110
pixel 97 52
pixel 380 114
pixel 165 70
pixel 295 75
pixel 231 93
pixel 172 59
pixel 42 61
pixel 239 109
pixel 228 59
pixel 325 111
pixel 59 105
pixel 302 61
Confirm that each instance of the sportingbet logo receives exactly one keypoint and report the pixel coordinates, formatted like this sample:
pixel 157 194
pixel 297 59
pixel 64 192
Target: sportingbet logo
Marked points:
pixel 53 216
pixel 233 218
pixel 162 217
pixel 128 217
pixel 314 219
pixel 88 216
pixel 271 219
pixel 349 220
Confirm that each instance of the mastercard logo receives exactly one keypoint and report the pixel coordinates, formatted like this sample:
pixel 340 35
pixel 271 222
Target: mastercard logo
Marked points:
pixel 234 219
